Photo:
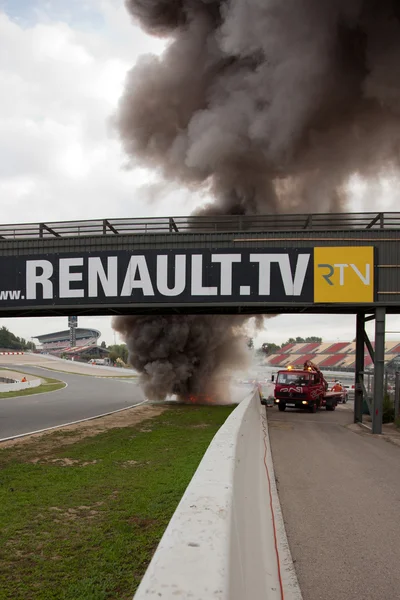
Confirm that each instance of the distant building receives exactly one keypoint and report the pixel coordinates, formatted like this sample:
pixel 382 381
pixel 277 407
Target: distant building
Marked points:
pixel 59 343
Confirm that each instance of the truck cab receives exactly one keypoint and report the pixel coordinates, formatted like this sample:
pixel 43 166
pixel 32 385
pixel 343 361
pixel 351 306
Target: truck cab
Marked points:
pixel 303 388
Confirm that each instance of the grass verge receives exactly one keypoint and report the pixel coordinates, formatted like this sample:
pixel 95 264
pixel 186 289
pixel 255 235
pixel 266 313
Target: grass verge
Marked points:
pixel 48 385
pixel 81 520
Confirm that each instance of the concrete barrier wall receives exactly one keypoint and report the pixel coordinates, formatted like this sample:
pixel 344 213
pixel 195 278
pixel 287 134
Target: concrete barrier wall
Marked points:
pixel 220 543
pixel 19 385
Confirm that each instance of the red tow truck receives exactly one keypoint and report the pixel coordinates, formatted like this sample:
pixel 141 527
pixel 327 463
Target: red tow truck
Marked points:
pixel 304 388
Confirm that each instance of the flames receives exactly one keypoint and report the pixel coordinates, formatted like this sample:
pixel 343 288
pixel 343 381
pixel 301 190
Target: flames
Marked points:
pixel 201 399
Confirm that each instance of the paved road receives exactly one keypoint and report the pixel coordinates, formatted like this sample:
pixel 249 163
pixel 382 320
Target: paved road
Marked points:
pixel 340 496
pixel 84 397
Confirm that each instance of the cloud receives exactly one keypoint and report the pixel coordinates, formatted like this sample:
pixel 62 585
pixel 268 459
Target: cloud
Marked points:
pixel 59 86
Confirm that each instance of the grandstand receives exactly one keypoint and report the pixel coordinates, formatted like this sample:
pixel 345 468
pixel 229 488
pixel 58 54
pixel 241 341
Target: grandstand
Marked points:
pixel 328 355
pixel 60 342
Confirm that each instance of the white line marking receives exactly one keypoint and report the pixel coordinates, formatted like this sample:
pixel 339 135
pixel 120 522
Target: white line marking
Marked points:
pixel 14 437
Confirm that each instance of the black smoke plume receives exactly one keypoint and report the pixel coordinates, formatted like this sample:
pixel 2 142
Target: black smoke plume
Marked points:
pixel 186 355
pixel 270 105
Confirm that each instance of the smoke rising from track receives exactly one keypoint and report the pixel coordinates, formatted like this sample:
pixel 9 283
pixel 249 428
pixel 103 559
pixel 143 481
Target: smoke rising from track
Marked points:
pixel 269 105
pixel 184 354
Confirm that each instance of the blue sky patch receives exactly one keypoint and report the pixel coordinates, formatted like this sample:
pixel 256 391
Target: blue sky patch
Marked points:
pixel 80 14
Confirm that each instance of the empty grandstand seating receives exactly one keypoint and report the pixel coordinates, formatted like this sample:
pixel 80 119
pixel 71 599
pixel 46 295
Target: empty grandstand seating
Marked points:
pixel 287 348
pixel 333 361
pixel 310 347
pixel 338 347
pixel 327 354
pixel 277 359
pixel 300 359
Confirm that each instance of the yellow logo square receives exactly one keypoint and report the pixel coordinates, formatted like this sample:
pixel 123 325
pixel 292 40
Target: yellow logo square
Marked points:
pixel 344 274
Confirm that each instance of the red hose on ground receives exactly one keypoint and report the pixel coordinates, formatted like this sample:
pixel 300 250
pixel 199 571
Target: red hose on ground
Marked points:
pixel 264 426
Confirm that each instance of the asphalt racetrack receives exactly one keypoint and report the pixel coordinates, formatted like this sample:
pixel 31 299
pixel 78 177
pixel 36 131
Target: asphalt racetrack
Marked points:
pixel 90 392
pixel 84 397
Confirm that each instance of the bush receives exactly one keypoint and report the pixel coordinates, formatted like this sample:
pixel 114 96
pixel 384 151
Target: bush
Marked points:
pixel 388 409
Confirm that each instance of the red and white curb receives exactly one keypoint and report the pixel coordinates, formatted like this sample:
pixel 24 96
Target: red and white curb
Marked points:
pixel 11 353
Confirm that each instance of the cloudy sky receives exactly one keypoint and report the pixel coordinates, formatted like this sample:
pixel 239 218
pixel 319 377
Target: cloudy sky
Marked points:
pixel 62 68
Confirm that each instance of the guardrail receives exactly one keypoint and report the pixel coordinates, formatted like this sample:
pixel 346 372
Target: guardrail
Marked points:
pixel 226 540
pixel 201 224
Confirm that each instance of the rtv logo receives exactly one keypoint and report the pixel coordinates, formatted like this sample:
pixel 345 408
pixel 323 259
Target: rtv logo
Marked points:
pixel 344 274
pixel 330 272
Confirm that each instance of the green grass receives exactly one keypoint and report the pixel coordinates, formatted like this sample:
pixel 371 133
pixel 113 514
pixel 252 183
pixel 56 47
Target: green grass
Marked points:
pixel 48 385
pixel 87 531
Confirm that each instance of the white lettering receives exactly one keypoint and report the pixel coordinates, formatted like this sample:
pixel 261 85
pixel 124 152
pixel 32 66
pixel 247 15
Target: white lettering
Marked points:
pixel 341 267
pixel 137 264
pixel 226 261
pixel 66 278
pixel 96 273
pixel 292 286
pixel 180 275
pixel 34 278
pixel 300 273
pixel 197 278
pixel 367 279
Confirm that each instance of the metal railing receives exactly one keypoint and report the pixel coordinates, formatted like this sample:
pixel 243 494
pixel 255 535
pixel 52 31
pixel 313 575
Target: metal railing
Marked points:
pixel 202 224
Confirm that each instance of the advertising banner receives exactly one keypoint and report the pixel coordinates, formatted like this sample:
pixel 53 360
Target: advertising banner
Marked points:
pixel 233 275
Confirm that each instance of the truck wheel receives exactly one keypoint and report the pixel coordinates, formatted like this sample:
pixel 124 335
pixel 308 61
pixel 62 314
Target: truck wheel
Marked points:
pixel 282 406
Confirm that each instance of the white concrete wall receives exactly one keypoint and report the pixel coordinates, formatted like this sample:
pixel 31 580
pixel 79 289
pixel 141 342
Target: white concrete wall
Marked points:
pixel 220 542
pixel 19 385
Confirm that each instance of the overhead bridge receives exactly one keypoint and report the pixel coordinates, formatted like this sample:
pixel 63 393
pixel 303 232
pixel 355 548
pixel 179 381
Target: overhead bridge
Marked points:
pixel 224 264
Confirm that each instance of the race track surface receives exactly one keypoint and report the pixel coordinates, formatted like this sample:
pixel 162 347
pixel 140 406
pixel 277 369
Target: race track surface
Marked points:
pixel 340 496
pixel 84 397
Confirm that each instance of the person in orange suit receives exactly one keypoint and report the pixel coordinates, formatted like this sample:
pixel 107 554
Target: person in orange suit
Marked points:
pixel 337 387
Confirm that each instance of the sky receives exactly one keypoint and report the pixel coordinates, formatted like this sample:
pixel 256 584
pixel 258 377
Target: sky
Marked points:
pixel 62 70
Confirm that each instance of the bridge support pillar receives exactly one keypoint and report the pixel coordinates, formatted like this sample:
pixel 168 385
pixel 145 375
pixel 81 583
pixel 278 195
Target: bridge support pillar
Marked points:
pixel 359 374
pixel 379 370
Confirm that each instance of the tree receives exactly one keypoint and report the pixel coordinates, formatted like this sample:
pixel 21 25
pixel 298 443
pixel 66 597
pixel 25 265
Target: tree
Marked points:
pixel 118 351
pixel 301 340
pixel 103 344
pixel 268 348
pixel 9 341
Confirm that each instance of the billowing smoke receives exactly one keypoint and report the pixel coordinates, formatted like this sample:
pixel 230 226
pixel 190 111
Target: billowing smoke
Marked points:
pixel 185 354
pixel 270 105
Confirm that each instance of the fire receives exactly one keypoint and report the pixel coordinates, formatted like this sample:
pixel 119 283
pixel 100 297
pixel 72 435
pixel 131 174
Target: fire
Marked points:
pixel 201 399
